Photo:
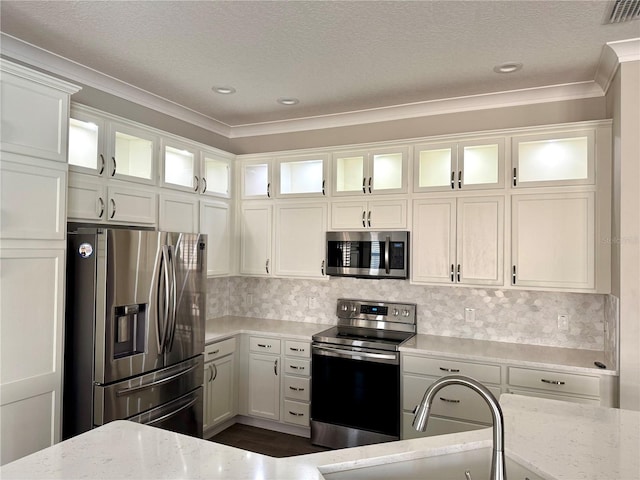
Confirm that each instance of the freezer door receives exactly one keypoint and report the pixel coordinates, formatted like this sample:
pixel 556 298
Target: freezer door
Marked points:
pixel 188 259
pixel 182 415
pixel 132 397
pixel 129 325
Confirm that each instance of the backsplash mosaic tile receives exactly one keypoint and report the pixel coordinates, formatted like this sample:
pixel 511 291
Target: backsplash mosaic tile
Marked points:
pixel 611 324
pixel 500 315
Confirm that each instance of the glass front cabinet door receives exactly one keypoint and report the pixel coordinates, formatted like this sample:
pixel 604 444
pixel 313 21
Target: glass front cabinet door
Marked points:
pixel 554 159
pixel 215 174
pixel 86 143
pixel 179 166
pixel 459 166
pixel 370 171
pixel 256 179
pixel 302 175
pixel 133 151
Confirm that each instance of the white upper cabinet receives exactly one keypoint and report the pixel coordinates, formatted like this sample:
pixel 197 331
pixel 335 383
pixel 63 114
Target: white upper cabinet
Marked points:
pixel 255 179
pixel 554 159
pixel 86 142
pixel 302 175
pixel 553 240
pixel 255 239
pixel 459 165
pixel 132 153
pixel 366 172
pixel 34 114
pixel 215 174
pixel 180 166
pixel 215 222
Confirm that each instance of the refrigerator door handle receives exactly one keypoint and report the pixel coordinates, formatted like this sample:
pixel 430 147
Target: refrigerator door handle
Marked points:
pixel 174 301
pixel 127 391
pixel 167 298
pixel 173 413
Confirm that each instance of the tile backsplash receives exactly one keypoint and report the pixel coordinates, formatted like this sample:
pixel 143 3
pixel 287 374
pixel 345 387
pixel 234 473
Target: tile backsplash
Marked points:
pixel 500 315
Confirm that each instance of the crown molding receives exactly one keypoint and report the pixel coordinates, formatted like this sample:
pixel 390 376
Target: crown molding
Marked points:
pixel 47 61
pixel 551 93
pixel 55 64
pixel 613 54
pixel 35 76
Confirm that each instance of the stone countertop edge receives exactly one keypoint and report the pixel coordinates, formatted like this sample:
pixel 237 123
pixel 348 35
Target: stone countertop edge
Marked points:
pixel 515 354
pixel 555 440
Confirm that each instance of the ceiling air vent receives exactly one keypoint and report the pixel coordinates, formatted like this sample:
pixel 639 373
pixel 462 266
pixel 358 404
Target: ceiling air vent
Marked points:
pixel 625 11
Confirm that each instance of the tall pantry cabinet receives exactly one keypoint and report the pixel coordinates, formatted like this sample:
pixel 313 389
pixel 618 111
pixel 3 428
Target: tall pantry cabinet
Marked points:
pixel 33 186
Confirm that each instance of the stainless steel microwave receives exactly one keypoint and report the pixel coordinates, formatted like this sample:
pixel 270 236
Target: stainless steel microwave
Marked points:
pixel 368 254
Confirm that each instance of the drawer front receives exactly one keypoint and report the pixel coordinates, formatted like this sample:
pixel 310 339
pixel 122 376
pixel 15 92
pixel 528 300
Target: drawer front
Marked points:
pixel 297 367
pixel 554 396
pixel 296 412
pixel 453 401
pixel 436 367
pixel 559 382
pixel 435 426
pixel 297 349
pixel 264 345
pixel 297 388
pixel 219 349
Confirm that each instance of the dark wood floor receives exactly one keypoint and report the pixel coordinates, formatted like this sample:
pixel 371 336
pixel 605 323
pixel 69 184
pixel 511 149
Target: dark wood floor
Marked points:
pixel 266 442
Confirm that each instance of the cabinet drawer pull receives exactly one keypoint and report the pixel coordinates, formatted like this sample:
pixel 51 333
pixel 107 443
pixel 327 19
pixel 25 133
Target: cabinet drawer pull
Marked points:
pixel 264 345
pixel 295 414
pixel 214 352
pixel 295 367
pixel 552 382
pixel 101 164
pixel 296 389
pixel 101 207
pixel 115 165
pixel 294 349
pixel 450 370
pixel 449 400
pixel 216 372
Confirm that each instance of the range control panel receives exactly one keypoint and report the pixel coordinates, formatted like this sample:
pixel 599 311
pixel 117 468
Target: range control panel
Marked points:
pixel 374 310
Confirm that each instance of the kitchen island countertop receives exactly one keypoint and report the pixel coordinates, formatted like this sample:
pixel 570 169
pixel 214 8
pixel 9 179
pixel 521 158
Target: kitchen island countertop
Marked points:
pixel 556 440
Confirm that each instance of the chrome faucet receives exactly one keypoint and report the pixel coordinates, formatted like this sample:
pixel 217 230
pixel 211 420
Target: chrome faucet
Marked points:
pixel 422 415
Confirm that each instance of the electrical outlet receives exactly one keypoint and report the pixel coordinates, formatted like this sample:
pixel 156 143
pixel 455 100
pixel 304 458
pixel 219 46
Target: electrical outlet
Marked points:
pixel 469 314
pixel 313 302
pixel 563 321
pixel 248 300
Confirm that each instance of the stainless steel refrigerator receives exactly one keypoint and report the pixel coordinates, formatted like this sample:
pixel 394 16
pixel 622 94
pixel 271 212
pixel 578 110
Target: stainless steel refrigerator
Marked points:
pixel 134 330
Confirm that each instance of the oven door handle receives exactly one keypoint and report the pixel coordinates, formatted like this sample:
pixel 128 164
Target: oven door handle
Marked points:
pixel 342 353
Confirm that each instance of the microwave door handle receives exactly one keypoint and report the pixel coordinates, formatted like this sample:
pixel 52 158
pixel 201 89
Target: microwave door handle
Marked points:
pixel 387 245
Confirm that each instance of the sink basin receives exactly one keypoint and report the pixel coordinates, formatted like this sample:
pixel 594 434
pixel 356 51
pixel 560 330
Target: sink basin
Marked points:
pixel 440 467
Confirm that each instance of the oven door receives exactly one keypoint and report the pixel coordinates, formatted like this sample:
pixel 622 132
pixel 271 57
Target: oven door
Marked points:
pixel 355 396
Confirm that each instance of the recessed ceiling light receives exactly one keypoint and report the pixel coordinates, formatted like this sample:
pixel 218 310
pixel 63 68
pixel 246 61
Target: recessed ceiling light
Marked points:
pixel 224 90
pixel 508 67
pixel 288 101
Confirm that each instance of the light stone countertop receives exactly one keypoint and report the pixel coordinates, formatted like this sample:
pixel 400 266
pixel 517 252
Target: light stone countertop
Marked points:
pixel 567 359
pixel 556 440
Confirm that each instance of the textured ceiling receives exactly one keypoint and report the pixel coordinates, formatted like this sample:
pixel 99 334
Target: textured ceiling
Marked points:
pixel 334 56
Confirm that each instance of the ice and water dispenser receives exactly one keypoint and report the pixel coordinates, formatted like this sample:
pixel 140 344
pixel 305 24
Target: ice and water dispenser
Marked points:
pixel 129 329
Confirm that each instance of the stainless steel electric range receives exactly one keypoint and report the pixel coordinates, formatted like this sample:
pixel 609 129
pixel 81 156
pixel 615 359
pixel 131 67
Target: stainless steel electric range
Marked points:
pixel 355 374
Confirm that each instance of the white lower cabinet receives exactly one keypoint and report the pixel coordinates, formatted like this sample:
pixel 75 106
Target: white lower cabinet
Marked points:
pixel 220 383
pixel 297 382
pixel 97 200
pixel 455 408
pixel 264 378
